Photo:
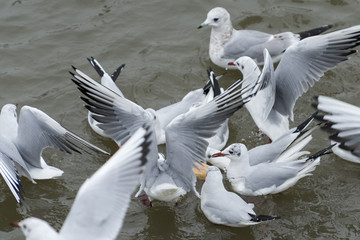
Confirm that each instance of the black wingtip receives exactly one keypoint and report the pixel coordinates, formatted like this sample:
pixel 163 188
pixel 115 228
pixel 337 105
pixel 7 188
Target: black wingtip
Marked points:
pixel 322 152
pixel 262 218
pixel 314 31
pixel 306 123
pixel 117 72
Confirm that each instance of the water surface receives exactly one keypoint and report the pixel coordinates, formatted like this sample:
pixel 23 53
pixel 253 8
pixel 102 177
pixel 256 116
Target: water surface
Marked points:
pixel 165 57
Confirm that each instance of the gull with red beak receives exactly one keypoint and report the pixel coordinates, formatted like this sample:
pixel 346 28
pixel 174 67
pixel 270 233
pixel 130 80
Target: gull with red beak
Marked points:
pixel 302 64
pixel 267 177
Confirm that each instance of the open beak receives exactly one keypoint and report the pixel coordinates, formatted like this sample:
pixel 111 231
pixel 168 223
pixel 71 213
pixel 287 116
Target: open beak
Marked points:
pixel 219 154
pixel 15 224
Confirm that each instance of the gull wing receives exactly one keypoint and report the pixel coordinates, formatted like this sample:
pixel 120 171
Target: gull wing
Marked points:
pixel 306 61
pixel 118 117
pixel 37 131
pixel 101 203
pixel 343 122
pixel 186 135
pixel 10 174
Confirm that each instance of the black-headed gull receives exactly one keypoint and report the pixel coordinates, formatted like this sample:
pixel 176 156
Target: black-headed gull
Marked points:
pixel 101 203
pixel 342 121
pixel 269 177
pixel 228 44
pixel 286 148
pixel 226 208
pixel 24 141
pixel 165 115
pixel 164 179
pixel 302 64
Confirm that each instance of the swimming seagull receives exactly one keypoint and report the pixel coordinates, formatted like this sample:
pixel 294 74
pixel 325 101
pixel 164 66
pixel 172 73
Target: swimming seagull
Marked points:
pixel 171 178
pixel 228 44
pixel 284 149
pixel 268 177
pixel 342 121
pixel 163 116
pixel 101 203
pixel 24 141
pixel 226 208
pixel 302 64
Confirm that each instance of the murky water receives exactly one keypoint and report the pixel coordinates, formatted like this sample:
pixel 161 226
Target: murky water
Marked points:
pixel 166 56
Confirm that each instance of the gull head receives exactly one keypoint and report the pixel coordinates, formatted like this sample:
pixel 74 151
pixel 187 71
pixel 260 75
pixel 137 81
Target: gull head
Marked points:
pixel 213 173
pixel 36 229
pixel 217 18
pixel 246 65
pixel 234 151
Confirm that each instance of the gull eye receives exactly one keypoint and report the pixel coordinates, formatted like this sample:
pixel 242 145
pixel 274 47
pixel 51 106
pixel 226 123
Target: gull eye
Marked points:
pixel 216 19
pixel 231 152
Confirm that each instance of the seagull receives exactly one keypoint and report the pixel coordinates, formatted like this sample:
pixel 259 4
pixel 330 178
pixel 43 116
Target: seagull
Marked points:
pixel 226 208
pixel 165 179
pixel 166 114
pixel 101 203
pixel 268 177
pixel 342 121
pixel 302 64
pixel 284 149
pixel 24 141
pixel 228 44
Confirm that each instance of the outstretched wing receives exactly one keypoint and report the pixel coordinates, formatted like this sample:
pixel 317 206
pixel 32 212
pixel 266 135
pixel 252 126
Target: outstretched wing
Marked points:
pixel 186 135
pixel 342 120
pixel 305 62
pixel 118 117
pixel 102 201
pixel 37 131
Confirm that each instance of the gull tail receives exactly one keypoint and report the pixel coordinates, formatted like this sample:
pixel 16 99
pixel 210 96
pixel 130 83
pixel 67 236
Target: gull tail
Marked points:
pixel 314 31
pixel 262 218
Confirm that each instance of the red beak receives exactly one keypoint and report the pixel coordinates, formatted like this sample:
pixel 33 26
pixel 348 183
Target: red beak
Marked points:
pixel 15 224
pixel 231 64
pixel 219 154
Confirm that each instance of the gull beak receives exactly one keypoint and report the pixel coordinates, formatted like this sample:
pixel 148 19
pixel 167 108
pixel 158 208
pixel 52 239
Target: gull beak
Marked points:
pixel 204 24
pixel 231 64
pixel 15 224
pixel 219 154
